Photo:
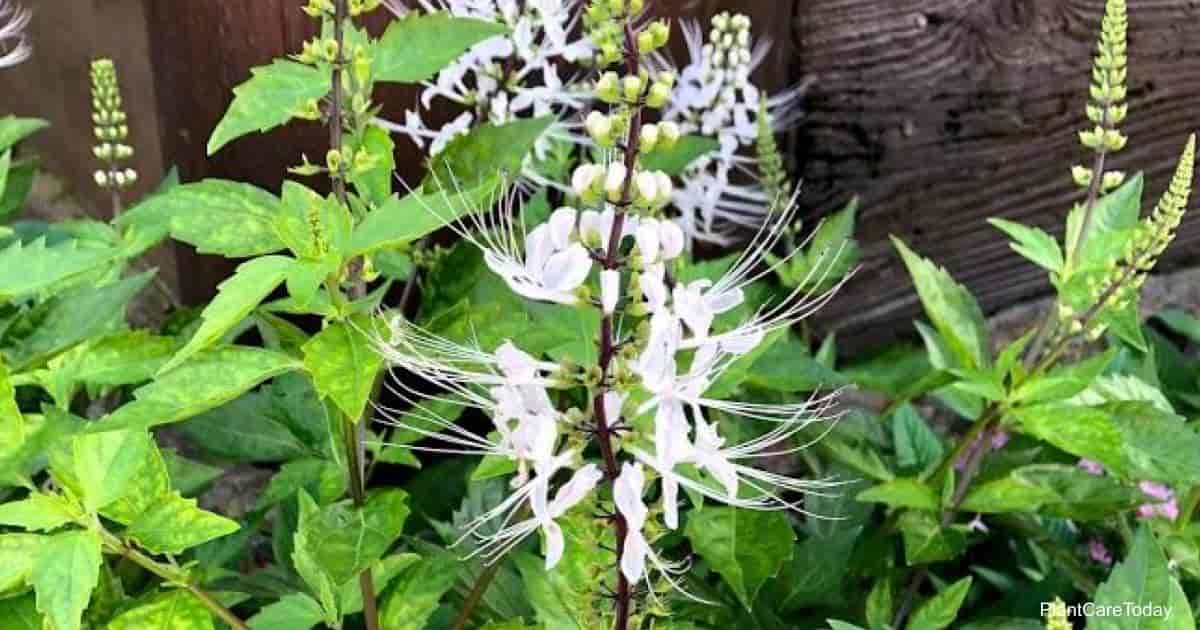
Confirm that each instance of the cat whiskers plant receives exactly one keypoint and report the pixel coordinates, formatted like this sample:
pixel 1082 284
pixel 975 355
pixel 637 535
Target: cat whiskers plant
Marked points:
pixel 14 42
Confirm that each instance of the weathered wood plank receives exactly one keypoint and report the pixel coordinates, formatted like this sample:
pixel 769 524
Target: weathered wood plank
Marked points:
pixel 941 113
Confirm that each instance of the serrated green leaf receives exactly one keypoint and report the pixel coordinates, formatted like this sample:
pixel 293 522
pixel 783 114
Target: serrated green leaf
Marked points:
pixel 272 96
pixel 38 512
pixel 1063 382
pixel 18 183
pixel 341 540
pixel 487 150
pixel 343 364
pixel 375 185
pixel 294 611
pixel 817 571
pixel 187 476
pixel 952 309
pixel 14 129
pixel 105 464
pixel 123 358
pixel 17 552
pixel 208 380
pixel 236 297
pixel 400 221
pixel 27 268
pixel 675 160
pixel 1158 445
pixel 77 315
pixel 942 609
pixel 322 479
pixel 216 216
pixel 174 610
pixel 1114 219
pixel 1122 388
pixel 746 547
pixel 909 493
pixel 65 571
pixel 926 541
pixel 1032 243
pixel 917 446
pixel 1053 490
pixel 419 45
pixel 174 524
pixel 416 592
pixel 1082 431
pixel 1141 579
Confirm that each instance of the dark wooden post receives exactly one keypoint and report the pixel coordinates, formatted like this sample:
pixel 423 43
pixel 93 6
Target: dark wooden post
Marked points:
pixel 942 113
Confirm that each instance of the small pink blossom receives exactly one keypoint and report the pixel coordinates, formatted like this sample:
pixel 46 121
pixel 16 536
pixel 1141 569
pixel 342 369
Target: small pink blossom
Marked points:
pixel 1099 553
pixel 995 443
pixel 1092 467
pixel 1165 505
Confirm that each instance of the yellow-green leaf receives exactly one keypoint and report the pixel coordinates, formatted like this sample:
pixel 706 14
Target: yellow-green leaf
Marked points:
pixel 65 571
pixel 417 46
pixel 344 365
pixel 105 464
pixel 272 96
pixel 175 524
pixel 174 610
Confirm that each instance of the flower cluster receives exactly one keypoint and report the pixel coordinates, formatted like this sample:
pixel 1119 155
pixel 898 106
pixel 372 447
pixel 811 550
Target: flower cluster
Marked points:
pixel 715 97
pixel 1161 498
pixel 14 44
pixel 663 344
pixel 111 129
pixel 507 76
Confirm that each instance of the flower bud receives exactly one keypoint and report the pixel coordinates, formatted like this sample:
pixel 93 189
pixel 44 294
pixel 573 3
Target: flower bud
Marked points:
pixel 333 160
pixel 1082 176
pixel 614 181
pixel 600 128
pixel 658 96
pixel 666 188
pixel 667 78
pixel 669 134
pixel 636 6
pixel 660 32
pixel 649 137
pixel 610 289
pixel 645 42
pixel 647 189
pixel 631 87
pixel 671 238
pixel 1112 180
pixel 586 182
pixel 608 88
pixel 101 179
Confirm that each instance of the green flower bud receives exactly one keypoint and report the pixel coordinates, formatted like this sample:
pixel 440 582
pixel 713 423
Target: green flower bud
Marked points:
pixel 608 88
pixel 658 96
pixel 645 42
pixel 333 160
pixel 631 87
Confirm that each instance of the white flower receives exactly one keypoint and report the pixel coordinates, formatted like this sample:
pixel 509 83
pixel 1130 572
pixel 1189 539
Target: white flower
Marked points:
pixel 508 76
pixel 627 494
pixel 14 43
pixel 597 227
pixel 714 97
pixel 610 290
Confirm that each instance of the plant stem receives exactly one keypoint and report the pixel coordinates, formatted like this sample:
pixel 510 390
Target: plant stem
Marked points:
pixel 173 575
pixel 355 429
pixel 605 433
pixel 1093 195
pixel 476 595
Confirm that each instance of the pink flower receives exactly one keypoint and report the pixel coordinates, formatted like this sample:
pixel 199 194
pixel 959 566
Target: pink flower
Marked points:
pixel 1092 467
pixel 1165 504
pixel 995 443
pixel 1099 553
pixel 999 439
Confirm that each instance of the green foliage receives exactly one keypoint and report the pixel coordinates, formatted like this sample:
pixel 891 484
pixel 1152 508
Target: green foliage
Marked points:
pixel 272 96
pixel 414 48
pixel 477 156
pixel 954 312
pixel 746 547
pixel 65 570
pixel 343 364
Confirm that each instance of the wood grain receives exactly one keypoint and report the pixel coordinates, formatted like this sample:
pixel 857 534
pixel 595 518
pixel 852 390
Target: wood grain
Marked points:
pixel 942 113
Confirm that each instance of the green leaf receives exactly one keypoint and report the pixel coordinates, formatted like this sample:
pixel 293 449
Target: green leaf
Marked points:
pixel 1053 490
pixel 216 216
pixel 880 603
pixel 488 149
pixel 122 358
pixel 917 446
pixel 18 183
pixel 341 540
pixel 105 464
pixel 174 610
pixel 1063 382
pixel 22 613
pixel 1159 446
pixel 208 380
pixel 14 130
pixel 419 45
pixel 17 552
pixel 908 493
pixel 1122 388
pixel 1115 218
pixel 942 609
pixel 746 547
pixel 174 524
pixel 416 592
pixel 27 268
pixel 322 479
pixel 65 571
pixel 77 315
pixel 926 541
pixel 1032 243
pixel 343 364
pixel 786 366
pixel 951 308
pixel 375 185
pixel 187 476
pixel 399 221
pixel 817 572
pixel 294 611
pixel 1081 431
pixel 272 96
pixel 675 160
pixel 1141 579
pixel 38 512
pixel 236 297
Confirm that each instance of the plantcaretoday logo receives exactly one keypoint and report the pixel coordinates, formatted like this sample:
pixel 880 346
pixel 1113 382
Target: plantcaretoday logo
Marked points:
pixel 1091 610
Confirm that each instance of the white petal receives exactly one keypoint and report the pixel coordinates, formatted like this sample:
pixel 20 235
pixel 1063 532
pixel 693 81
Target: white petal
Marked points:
pixel 614 181
pixel 538 250
pixel 647 237
pixel 610 289
pixel 670 502
pixel 613 402
pixel 627 494
pixel 562 223
pixel 633 557
pixel 555 543
pixel 516 364
pixel 724 301
pixel 672 239
pixel 567 269
pixel 671 434
pixel 571 493
pixel 591 226
pixel 654 290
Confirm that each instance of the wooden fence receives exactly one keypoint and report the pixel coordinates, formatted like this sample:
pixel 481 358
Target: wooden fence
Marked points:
pixel 937 113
